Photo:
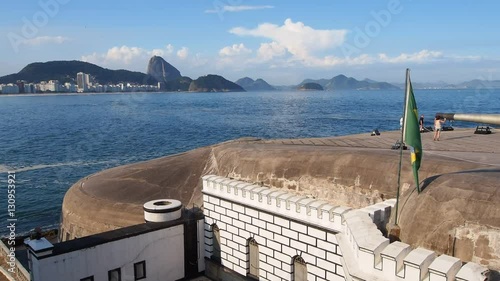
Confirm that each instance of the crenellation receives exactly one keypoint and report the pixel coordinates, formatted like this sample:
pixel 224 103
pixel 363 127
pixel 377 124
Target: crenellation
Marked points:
pixel 336 242
pixel 444 268
pixel 472 272
pixel 416 263
pixel 392 257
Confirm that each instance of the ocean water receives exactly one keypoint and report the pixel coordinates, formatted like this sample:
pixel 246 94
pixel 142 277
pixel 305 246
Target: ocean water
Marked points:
pixel 51 141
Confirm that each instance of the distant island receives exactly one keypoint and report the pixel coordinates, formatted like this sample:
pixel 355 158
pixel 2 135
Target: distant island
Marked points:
pixel 310 86
pixel 342 82
pixel 251 85
pixel 214 83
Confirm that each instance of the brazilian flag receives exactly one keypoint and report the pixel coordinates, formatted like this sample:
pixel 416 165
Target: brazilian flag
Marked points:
pixel 412 133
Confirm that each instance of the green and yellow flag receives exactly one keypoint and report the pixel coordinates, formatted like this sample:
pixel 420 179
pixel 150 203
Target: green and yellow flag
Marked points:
pixel 412 132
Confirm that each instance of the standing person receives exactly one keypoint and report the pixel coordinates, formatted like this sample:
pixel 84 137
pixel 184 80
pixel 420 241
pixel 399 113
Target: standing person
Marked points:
pixel 437 127
pixel 421 123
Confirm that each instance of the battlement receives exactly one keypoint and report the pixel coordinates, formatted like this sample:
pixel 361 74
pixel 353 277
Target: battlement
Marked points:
pixel 277 200
pixel 358 247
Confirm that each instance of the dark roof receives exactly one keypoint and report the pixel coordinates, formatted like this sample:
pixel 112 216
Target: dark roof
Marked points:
pixel 122 233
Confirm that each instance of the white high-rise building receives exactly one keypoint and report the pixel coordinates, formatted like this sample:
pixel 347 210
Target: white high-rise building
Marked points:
pixel 80 82
pixel 87 80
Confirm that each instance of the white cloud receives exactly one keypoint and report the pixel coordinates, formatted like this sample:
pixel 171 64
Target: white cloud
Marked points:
pixel 41 40
pixel 268 51
pixel 234 50
pixel 169 48
pixel 136 58
pixel 240 8
pixel 300 40
pixel 420 57
pixel 183 53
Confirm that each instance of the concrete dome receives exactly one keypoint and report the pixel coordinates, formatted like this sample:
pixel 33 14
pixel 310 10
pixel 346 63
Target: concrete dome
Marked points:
pixel 457 214
pixel 458 211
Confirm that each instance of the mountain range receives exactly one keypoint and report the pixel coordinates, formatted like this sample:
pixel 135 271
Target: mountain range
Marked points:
pixel 472 84
pixel 251 85
pixel 342 82
pixel 160 72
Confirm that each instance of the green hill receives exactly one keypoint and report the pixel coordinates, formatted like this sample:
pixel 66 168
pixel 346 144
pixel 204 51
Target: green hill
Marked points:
pixel 342 82
pixel 310 86
pixel 65 71
pixel 214 83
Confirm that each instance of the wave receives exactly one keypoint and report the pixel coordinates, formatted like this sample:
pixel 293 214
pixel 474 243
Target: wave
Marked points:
pixel 5 169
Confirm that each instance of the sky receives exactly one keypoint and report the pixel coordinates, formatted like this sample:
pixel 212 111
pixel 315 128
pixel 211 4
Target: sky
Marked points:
pixel 282 42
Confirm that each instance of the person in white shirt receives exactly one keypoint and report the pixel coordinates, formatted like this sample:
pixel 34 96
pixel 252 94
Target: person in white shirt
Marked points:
pixel 437 127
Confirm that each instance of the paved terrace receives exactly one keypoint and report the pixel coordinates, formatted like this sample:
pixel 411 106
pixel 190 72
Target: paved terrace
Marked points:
pixel 460 144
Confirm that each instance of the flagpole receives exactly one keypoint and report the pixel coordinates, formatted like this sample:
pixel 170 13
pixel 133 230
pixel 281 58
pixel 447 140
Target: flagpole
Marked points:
pixel 403 129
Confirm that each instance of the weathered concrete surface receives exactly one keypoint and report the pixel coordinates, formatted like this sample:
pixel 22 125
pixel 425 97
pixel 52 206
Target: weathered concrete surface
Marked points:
pixel 457 213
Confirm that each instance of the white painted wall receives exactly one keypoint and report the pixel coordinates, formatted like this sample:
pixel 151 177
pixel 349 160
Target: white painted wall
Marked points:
pixel 281 232
pixel 163 251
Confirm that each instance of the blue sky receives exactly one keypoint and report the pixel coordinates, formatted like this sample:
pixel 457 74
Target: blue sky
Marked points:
pixel 280 41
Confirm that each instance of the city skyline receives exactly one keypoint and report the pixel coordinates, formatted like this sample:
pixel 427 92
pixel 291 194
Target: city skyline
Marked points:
pixel 281 43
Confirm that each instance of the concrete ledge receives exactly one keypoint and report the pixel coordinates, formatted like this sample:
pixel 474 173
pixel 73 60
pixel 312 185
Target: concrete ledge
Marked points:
pixel 444 268
pixel 472 272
